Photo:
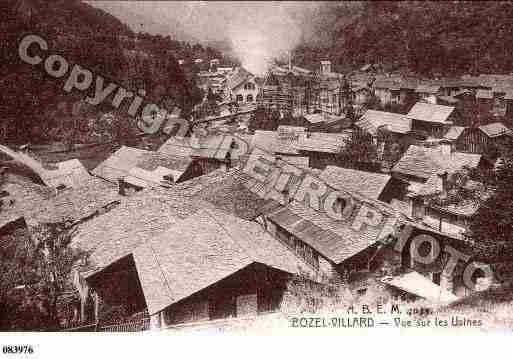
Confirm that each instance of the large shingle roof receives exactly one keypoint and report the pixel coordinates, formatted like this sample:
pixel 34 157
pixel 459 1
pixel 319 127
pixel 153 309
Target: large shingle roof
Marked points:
pixel 334 239
pixel 430 112
pixel 202 250
pixel 21 198
pixel 271 142
pixel 119 164
pixel 117 233
pixel 179 245
pixel 495 129
pixel 39 204
pixel 423 162
pixel 143 167
pixel 323 142
pixel 368 184
pixel 70 173
pixel 394 122
pixel 227 191
pixel 239 76
pixel 75 204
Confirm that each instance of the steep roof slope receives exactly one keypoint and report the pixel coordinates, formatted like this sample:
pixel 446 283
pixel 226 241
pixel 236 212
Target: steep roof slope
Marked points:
pixel 202 250
pixel 430 112
pixel 423 162
pixel 368 184
pixel 372 120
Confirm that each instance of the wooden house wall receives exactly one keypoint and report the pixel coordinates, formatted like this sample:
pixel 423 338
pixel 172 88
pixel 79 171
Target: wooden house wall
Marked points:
pixel 118 286
pixel 431 271
pixel 509 113
pixel 472 140
pixel 484 108
pixel 320 160
pixel 431 129
pixel 384 95
pixel 252 290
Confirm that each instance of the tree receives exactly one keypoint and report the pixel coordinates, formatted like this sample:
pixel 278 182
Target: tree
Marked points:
pixel 35 274
pixel 360 153
pixel 493 221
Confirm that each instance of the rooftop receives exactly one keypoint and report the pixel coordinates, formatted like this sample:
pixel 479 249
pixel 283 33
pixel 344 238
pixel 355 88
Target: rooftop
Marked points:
pixel 495 129
pixel 372 120
pixel 323 142
pixel 429 112
pixel 423 162
pixel 454 132
pixel 368 184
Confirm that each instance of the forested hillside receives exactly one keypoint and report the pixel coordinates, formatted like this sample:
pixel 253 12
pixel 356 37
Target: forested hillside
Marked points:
pixel 447 38
pixel 34 104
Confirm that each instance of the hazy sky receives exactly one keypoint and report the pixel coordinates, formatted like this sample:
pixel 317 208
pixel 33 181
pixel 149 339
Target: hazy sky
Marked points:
pixel 256 30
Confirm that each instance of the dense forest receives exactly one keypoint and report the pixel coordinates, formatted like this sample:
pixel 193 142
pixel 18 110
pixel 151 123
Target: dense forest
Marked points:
pixel 430 38
pixel 34 105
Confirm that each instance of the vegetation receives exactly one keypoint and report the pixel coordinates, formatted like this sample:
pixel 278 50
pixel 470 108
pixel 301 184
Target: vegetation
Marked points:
pixel 429 38
pixel 34 275
pixel 493 222
pixel 36 108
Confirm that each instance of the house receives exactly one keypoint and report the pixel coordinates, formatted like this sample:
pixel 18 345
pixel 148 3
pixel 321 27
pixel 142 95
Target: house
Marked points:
pixel 142 167
pixel 322 122
pixel 211 265
pixel 372 121
pixel 420 163
pixel 360 95
pixel 423 280
pixel 485 102
pixel 423 170
pixel 387 90
pixel 453 136
pixel 332 246
pixel 177 160
pixel 427 92
pixel 290 90
pixel 70 173
pixel 36 204
pixel 321 148
pixel 453 217
pixel 76 205
pixel 430 119
pixel 372 185
pixel 242 86
pixel 278 143
pixel 492 139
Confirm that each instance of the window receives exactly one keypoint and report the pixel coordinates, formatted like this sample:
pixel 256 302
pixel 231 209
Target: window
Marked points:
pixel 240 98
pixel 249 86
pixel 249 98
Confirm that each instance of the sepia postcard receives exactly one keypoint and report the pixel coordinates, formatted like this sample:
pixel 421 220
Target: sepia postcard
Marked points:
pixel 209 169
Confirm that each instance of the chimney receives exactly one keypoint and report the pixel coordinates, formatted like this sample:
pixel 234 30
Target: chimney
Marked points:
pixel 325 67
pixel 290 61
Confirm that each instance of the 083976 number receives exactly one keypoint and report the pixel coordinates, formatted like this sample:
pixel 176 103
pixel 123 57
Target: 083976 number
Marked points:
pixel 17 349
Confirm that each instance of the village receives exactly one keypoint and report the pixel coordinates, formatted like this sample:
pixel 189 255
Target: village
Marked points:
pixel 367 170
pixel 179 235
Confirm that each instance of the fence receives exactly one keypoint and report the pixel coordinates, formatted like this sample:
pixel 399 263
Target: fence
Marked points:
pixel 129 326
